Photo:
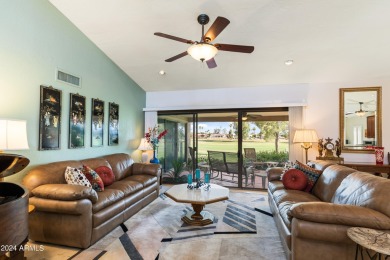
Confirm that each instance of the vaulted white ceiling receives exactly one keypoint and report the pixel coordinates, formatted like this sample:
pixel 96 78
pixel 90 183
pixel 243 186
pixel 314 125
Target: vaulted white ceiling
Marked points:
pixel 329 41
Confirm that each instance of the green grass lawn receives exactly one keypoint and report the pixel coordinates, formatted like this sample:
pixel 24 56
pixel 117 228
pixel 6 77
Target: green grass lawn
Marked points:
pixel 231 146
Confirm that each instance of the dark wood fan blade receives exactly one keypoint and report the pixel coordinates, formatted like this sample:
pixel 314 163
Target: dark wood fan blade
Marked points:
pixel 216 28
pixel 173 38
pixel 235 48
pixel 211 63
pixel 177 56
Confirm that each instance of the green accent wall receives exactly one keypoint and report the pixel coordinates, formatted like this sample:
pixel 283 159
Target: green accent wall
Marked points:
pixel 35 40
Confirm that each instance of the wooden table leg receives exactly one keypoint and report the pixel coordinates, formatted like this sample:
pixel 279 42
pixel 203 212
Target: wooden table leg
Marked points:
pixel 198 217
pixel 197 209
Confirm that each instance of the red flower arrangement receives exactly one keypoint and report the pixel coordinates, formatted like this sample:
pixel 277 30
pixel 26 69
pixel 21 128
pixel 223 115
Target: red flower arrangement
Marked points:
pixel 153 136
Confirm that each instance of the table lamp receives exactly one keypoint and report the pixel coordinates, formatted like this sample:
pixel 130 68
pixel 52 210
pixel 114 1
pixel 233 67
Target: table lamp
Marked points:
pixel 144 146
pixel 306 137
pixel 13 136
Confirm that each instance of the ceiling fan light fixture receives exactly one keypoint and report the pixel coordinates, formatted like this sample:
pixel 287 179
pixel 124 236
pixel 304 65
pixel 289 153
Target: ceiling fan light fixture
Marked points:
pixel 360 113
pixel 202 51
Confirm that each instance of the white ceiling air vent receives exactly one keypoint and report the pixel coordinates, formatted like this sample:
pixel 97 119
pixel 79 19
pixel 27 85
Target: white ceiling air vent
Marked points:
pixel 68 78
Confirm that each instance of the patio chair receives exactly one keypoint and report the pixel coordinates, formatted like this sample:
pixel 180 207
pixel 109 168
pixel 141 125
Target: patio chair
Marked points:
pixel 257 167
pixel 216 162
pixel 226 163
pixel 251 158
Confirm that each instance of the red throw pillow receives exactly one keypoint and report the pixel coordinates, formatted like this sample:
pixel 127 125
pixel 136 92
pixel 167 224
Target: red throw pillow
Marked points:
pixel 294 179
pixel 106 175
pixel 94 179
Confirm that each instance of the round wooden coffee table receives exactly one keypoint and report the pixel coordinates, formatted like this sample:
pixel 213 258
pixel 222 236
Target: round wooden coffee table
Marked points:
pixel 198 198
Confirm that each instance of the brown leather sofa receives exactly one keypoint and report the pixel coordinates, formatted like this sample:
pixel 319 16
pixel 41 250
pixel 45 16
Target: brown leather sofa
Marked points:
pixel 77 216
pixel 314 225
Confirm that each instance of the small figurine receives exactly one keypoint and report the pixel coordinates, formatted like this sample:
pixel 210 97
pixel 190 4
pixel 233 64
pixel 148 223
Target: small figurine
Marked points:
pixel 320 146
pixel 338 147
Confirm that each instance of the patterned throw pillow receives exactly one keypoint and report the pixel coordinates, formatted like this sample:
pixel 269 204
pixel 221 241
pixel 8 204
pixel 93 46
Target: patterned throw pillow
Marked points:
pixel 94 179
pixel 76 177
pixel 106 175
pixel 294 179
pixel 312 174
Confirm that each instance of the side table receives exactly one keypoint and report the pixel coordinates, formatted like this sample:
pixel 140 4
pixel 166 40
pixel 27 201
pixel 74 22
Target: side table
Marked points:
pixel 370 239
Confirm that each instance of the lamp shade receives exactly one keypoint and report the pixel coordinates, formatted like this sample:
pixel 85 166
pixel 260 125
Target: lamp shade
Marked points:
pixel 305 136
pixel 144 145
pixel 13 135
pixel 202 51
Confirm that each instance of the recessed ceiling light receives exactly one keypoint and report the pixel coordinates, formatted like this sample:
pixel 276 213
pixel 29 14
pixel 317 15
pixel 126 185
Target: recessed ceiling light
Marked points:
pixel 288 62
pixel 162 72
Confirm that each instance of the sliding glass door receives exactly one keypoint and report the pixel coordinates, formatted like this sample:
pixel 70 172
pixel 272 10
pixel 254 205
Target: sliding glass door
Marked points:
pixel 235 146
pixel 174 147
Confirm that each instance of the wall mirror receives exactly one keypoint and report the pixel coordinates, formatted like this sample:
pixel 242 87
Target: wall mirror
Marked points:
pixel 360 119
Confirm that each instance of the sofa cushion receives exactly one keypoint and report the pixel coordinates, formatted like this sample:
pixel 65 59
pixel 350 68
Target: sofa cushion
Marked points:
pixel 95 162
pixel 312 174
pixel 365 190
pixel 321 165
pixel 76 177
pixel 284 209
pixel 107 198
pixel 94 178
pixel 127 186
pixel 281 196
pixel 106 174
pixel 120 164
pixel 330 180
pixel 145 180
pixel 294 179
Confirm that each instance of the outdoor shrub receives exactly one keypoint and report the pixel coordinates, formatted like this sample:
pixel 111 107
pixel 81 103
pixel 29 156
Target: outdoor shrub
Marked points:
pixel 272 156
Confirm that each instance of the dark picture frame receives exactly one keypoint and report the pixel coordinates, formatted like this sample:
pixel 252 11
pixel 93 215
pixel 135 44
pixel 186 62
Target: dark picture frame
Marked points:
pixel 97 122
pixel 76 121
pixel 113 124
pixel 50 118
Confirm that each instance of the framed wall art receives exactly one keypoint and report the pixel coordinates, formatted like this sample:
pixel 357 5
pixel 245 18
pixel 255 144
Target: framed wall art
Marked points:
pixel 76 121
pixel 50 118
pixel 97 122
pixel 113 124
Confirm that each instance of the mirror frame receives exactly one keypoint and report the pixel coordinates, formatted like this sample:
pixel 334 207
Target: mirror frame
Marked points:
pixel 378 118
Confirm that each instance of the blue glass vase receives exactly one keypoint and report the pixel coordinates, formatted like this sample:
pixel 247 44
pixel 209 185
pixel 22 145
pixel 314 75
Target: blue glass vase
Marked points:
pixel 154 159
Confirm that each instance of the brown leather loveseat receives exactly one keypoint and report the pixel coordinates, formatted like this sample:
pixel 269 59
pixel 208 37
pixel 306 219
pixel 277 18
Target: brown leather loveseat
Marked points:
pixel 78 216
pixel 314 225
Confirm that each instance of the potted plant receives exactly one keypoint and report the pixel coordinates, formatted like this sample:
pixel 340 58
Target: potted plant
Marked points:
pixel 173 176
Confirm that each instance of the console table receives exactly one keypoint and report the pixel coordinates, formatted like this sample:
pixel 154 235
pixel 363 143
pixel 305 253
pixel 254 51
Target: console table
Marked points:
pixel 369 167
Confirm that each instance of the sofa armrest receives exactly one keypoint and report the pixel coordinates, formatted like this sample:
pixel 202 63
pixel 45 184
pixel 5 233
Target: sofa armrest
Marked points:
pixel 65 192
pixel 74 207
pixel 349 215
pixel 274 173
pixel 149 169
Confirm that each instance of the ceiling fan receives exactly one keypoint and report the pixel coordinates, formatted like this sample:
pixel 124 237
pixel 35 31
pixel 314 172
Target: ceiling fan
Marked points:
pixel 360 112
pixel 205 50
